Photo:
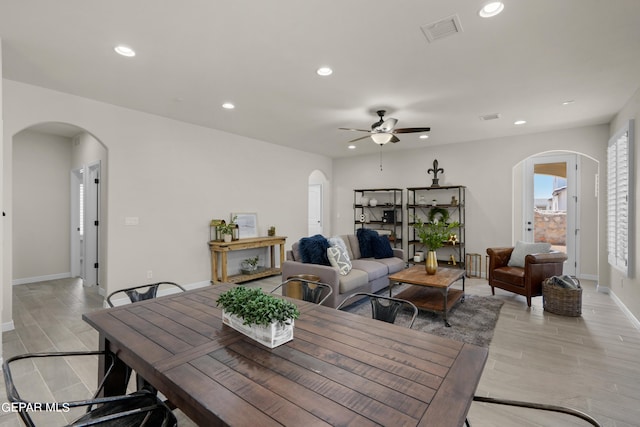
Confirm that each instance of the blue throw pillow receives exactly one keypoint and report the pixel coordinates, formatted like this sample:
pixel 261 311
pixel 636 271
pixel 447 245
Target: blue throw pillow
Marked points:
pixel 313 250
pixel 365 236
pixel 381 247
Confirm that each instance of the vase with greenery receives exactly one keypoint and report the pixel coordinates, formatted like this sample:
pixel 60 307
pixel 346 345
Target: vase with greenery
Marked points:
pixel 433 235
pixel 226 230
pixel 250 265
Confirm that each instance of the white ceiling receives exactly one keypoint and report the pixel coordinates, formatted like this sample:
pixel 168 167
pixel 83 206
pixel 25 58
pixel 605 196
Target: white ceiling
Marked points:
pixel 262 55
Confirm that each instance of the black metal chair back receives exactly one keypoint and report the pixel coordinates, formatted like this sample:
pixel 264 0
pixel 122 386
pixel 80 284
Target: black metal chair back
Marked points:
pixel 141 408
pixel 383 308
pixel 135 295
pixel 315 292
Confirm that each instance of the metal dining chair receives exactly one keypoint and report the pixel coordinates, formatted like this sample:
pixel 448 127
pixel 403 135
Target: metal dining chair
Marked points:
pixel 134 294
pixel 140 408
pixel 382 307
pixel 315 292
pixel 540 406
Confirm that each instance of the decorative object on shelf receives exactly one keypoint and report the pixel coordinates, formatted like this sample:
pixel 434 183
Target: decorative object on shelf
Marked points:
pixel 247 223
pixel 452 260
pixel 364 201
pixel 363 218
pixel 373 202
pixel 434 203
pixel 454 202
pixel 438 214
pixel 435 170
pixel 433 235
pixel 422 201
pixel 262 317
pixel 213 229
pixel 272 231
pixel 420 255
pixel 226 230
pixel 250 265
pixel 388 216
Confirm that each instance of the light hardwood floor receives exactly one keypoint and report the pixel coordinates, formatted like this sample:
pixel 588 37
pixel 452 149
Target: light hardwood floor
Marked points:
pixel 590 363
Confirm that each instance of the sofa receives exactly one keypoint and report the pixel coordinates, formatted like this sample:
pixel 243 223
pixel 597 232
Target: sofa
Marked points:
pixel 367 274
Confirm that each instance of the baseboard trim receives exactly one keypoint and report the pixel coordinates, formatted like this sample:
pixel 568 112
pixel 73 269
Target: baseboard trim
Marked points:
pixel 26 280
pixel 625 310
pixel 8 326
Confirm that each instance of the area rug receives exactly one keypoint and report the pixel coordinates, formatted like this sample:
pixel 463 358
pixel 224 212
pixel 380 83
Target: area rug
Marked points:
pixel 472 321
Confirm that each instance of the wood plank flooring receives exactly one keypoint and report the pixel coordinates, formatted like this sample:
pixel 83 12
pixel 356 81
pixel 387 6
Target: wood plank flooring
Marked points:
pixel 590 363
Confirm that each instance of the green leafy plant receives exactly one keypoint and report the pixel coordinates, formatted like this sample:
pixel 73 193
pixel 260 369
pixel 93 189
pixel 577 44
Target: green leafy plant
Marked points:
pixel 434 234
pixel 227 228
pixel 257 308
pixel 252 262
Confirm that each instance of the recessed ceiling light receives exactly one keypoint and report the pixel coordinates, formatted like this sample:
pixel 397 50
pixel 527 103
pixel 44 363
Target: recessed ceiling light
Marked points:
pixel 424 136
pixel 324 71
pixel 124 51
pixel 351 147
pixel 491 9
pixel 228 106
pixel 569 102
pixel 519 122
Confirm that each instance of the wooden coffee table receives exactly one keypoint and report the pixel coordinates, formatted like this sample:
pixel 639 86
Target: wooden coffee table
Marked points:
pixel 431 291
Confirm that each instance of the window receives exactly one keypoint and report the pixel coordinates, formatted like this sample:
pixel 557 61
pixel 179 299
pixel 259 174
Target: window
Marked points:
pixel 620 199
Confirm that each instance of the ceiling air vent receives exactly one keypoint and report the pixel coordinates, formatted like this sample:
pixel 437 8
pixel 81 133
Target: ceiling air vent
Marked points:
pixel 443 28
pixel 490 116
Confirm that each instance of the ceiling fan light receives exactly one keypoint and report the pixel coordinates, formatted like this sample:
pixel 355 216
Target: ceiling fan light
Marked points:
pixel 388 125
pixel 381 138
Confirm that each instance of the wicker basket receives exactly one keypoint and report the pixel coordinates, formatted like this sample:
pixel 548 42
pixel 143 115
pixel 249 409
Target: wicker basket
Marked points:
pixel 562 301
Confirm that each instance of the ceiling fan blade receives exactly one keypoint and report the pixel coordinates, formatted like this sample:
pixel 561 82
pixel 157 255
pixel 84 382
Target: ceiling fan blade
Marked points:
pixel 355 130
pixel 395 139
pixel 411 130
pixel 358 139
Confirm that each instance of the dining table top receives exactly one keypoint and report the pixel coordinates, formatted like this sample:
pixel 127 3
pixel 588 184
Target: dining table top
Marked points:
pixel 340 369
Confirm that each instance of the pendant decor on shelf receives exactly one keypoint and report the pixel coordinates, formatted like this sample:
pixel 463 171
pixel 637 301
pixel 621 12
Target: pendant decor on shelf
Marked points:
pixel 435 170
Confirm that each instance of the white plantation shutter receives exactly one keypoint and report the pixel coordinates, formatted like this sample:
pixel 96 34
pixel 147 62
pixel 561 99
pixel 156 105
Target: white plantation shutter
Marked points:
pixel 620 200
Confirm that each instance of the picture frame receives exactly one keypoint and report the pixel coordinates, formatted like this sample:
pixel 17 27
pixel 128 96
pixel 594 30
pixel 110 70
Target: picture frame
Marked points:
pixel 247 224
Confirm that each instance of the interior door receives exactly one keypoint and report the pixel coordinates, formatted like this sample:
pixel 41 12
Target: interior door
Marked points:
pixel 315 209
pixel 91 225
pixel 77 222
pixel 550 211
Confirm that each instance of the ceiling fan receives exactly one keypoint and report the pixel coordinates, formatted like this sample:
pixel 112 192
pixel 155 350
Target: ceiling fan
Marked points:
pixel 384 131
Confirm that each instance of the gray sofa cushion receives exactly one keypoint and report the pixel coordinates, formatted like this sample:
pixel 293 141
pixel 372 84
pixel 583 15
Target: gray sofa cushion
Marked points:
pixel 393 264
pixel 372 267
pixel 352 281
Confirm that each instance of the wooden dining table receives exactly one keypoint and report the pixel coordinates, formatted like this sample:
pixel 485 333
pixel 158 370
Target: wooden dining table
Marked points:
pixel 341 369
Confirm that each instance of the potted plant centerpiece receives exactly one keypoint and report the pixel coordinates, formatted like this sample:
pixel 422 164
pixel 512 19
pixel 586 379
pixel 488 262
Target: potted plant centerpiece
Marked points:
pixel 262 317
pixel 433 234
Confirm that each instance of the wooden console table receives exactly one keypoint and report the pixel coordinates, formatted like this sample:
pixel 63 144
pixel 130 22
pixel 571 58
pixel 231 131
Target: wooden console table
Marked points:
pixel 220 249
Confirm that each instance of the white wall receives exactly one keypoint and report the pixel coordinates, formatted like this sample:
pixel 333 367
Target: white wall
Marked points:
pixel 485 167
pixel 175 177
pixel 41 206
pixel 628 289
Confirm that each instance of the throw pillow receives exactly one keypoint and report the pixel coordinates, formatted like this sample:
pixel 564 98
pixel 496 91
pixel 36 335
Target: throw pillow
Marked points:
pixel 381 247
pixel 313 250
pixel 365 235
pixel 522 249
pixel 337 241
pixel 339 259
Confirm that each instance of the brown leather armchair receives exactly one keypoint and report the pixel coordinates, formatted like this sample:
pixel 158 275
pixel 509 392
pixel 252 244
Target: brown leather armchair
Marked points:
pixel 525 281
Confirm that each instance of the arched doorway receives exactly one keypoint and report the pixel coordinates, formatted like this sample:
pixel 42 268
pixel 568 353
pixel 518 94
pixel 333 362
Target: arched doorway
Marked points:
pixel 56 215
pixel 565 213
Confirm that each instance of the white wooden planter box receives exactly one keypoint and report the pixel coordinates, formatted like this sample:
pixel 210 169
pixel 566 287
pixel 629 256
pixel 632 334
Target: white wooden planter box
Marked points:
pixel 270 336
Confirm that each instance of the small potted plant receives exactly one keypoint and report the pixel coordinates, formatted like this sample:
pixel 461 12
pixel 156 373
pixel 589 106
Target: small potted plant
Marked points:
pixel 262 317
pixel 433 235
pixel 226 230
pixel 250 265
